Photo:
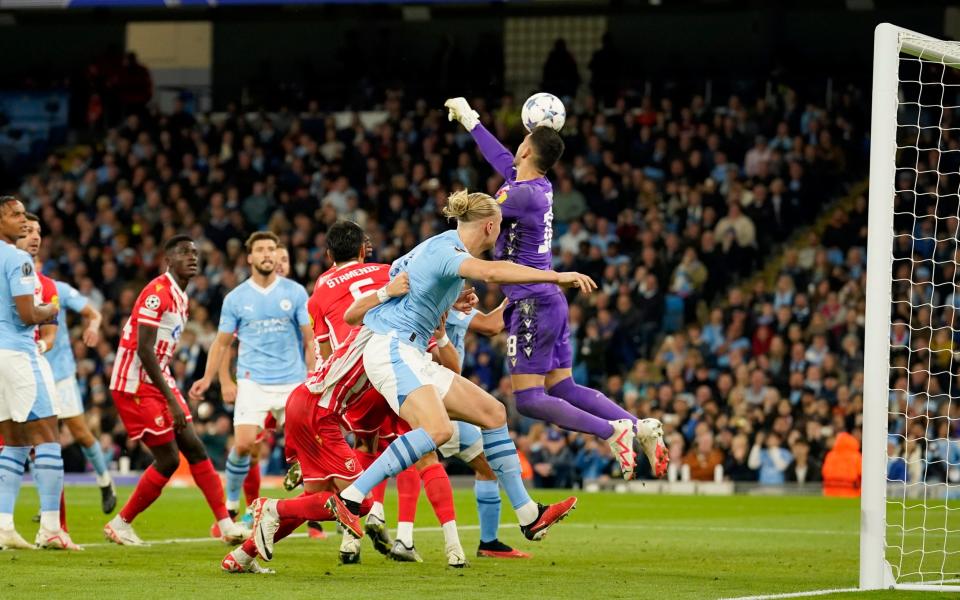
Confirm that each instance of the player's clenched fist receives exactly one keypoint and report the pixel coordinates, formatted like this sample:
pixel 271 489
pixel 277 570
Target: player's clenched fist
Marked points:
pixel 399 285
pixel 459 110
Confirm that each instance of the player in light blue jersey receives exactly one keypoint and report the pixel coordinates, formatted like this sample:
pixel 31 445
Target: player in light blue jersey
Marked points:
pixel 64 367
pixel 268 314
pixel 427 395
pixel 28 418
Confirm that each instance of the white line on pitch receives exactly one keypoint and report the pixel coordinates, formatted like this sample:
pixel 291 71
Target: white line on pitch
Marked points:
pixel 796 594
pixel 717 529
pixel 565 526
pixel 202 540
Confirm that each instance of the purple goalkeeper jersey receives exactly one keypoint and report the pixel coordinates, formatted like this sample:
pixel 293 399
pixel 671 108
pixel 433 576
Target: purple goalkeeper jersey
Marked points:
pixel 526 235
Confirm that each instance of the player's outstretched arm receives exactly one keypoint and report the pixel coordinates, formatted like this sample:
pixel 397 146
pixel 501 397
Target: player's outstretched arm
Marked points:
pixel 493 151
pixel 398 286
pixel 219 347
pixel 500 271
pixel 146 341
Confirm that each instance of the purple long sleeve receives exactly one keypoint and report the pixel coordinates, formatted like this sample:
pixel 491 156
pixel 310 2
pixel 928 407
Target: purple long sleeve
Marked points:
pixel 496 154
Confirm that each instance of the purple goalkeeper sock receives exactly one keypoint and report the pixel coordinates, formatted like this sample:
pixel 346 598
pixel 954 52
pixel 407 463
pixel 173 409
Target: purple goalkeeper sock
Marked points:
pixel 534 402
pixel 589 400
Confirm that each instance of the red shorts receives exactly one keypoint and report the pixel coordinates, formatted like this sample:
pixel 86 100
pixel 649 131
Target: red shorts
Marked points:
pixel 313 437
pixel 146 414
pixel 371 415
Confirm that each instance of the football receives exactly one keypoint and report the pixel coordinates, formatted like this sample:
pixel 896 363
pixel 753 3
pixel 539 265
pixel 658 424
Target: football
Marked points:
pixel 543 109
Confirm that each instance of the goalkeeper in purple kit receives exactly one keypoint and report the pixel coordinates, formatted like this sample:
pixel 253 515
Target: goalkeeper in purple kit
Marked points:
pixel 538 347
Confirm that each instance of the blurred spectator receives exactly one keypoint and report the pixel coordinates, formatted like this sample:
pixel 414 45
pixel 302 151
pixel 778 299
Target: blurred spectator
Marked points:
pixel 803 469
pixel 552 461
pixel 842 467
pixel 703 458
pixel 605 71
pixel 772 459
pixel 736 467
pixel 560 74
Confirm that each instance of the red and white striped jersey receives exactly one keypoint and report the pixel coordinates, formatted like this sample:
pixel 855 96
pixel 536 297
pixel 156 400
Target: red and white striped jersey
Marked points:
pixel 335 291
pixel 162 304
pixel 342 379
pixel 44 292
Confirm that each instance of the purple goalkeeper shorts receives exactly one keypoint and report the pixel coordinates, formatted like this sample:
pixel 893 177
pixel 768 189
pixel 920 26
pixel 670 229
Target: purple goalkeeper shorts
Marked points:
pixel 539 336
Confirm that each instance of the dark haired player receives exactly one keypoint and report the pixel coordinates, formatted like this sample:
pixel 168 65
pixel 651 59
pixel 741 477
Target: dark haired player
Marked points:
pixel 149 403
pixel 538 347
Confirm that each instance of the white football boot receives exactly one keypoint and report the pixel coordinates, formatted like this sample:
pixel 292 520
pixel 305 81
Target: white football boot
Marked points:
pixel 621 444
pixel 239 561
pixel 55 540
pixel 11 540
pixel 120 532
pixel 650 438
pixel 266 521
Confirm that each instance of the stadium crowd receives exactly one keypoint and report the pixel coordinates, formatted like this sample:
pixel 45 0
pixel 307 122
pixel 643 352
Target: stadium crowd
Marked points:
pixel 670 205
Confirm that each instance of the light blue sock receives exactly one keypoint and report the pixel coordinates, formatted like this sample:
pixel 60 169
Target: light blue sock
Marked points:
pixel 237 469
pixel 12 459
pixel 399 456
pixel 48 463
pixel 488 507
pixel 501 453
pixel 94 454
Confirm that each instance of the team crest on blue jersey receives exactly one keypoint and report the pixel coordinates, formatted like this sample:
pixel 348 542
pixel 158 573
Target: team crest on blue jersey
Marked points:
pixel 285 305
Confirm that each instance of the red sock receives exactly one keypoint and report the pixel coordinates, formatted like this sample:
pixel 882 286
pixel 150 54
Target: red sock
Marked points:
pixel 209 483
pixel 249 546
pixel 147 491
pixel 306 507
pixel 366 459
pixel 251 485
pixel 408 492
pixel 377 493
pixel 63 513
pixel 436 483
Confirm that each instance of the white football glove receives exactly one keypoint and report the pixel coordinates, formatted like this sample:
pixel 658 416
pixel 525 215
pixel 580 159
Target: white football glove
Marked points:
pixel 461 111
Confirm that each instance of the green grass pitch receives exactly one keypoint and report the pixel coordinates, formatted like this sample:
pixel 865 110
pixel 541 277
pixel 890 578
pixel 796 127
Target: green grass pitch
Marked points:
pixel 612 546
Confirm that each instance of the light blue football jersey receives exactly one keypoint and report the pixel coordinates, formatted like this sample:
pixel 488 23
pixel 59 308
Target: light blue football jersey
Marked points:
pixel 267 322
pixel 17 278
pixel 457 325
pixel 60 357
pixel 435 284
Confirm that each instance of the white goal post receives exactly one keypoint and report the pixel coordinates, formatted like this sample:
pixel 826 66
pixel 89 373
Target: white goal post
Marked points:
pixel 910 512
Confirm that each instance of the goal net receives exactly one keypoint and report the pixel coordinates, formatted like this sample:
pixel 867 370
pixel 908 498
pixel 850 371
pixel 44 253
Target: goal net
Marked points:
pixel 910 506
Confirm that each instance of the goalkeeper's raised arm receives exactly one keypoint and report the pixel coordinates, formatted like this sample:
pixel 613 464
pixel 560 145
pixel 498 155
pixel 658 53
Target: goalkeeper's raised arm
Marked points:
pixel 496 154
